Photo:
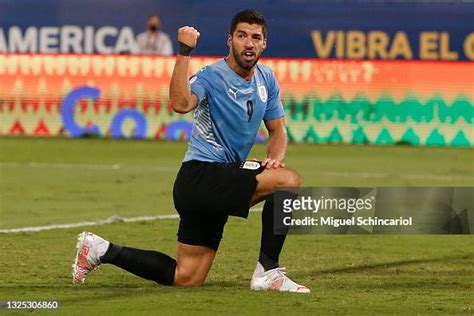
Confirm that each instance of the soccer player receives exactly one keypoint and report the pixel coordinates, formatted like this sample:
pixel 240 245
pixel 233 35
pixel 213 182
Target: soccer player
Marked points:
pixel 230 98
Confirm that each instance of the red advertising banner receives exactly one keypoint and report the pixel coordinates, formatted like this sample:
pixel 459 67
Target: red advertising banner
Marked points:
pixel 418 102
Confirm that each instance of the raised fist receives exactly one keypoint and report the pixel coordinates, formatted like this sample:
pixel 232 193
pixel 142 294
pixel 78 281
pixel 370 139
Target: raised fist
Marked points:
pixel 188 35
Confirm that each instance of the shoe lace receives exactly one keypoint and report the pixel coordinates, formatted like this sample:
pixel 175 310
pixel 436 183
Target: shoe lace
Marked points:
pixel 280 271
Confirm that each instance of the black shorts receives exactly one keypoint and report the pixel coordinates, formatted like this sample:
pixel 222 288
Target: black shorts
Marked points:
pixel 206 193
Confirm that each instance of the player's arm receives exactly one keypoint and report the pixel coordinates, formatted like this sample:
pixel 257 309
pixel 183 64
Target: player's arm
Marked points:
pixel 277 143
pixel 182 100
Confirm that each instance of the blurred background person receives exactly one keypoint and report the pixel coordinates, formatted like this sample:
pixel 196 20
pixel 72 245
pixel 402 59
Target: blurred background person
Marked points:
pixel 153 40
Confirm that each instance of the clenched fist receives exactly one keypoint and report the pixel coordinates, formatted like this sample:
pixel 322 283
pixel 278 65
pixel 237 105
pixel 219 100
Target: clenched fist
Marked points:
pixel 188 35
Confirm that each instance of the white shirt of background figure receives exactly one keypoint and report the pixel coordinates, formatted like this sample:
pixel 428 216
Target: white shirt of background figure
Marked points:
pixel 154 41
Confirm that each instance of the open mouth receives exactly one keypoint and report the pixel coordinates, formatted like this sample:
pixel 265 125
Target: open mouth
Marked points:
pixel 248 55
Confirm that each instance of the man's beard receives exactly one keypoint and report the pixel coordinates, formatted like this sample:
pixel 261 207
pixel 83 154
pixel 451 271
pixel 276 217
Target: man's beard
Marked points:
pixel 247 65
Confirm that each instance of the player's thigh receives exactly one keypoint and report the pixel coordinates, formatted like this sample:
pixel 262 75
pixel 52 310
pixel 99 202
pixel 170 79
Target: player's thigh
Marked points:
pixel 192 264
pixel 270 179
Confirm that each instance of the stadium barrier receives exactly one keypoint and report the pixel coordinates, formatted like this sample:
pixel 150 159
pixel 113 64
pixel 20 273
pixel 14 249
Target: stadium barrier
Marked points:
pixel 326 101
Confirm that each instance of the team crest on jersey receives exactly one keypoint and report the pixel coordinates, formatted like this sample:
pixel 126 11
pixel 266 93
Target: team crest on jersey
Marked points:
pixel 262 93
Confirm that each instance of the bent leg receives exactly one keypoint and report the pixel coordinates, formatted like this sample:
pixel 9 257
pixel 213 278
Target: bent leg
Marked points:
pixel 190 268
pixel 148 264
pixel 270 179
pixel 193 264
pixel 271 244
pixel 199 236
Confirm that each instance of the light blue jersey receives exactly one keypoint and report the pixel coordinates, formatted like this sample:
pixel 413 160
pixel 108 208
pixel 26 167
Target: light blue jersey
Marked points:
pixel 230 111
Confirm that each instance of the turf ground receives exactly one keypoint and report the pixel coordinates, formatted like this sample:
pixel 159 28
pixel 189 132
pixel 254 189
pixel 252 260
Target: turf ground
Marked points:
pixel 54 181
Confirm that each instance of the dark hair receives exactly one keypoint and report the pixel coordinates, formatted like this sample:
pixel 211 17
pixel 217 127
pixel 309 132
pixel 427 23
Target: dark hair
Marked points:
pixel 250 17
pixel 153 15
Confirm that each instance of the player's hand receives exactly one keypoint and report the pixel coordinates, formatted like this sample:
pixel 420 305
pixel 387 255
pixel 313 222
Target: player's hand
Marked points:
pixel 269 163
pixel 188 35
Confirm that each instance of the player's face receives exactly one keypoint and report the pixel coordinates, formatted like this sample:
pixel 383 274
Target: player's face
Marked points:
pixel 153 23
pixel 247 44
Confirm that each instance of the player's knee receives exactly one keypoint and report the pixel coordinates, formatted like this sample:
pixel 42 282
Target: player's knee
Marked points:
pixel 187 279
pixel 188 283
pixel 291 179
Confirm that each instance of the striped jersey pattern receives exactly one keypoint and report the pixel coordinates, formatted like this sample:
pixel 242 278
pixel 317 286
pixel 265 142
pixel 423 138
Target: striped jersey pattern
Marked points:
pixel 202 119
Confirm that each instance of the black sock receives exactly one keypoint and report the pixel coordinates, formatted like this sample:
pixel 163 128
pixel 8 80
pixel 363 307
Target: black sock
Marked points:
pixel 271 244
pixel 150 265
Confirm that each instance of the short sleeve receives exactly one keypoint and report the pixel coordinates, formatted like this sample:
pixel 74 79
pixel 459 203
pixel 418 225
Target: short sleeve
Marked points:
pixel 200 84
pixel 274 106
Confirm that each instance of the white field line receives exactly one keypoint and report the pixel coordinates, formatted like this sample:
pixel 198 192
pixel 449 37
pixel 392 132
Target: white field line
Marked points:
pixel 366 175
pixel 111 220
pixel 59 165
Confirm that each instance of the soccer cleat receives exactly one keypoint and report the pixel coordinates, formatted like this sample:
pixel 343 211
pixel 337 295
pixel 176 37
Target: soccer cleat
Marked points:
pixel 89 249
pixel 274 280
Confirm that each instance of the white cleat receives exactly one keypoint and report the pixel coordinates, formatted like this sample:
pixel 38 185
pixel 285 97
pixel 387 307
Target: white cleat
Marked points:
pixel 89 249
pixel 274 280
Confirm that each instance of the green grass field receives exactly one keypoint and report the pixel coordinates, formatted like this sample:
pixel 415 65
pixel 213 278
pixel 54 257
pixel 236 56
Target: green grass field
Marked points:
pixel 55 181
